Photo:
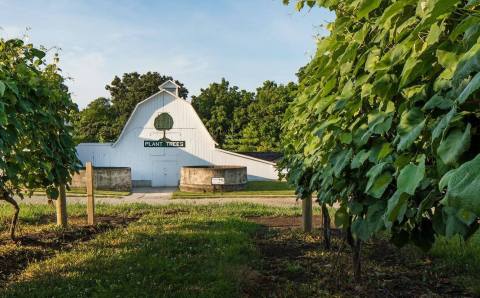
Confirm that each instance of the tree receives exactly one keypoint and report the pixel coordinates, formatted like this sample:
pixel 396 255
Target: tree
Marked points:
pixel 94 123
pixel 241 120
pixel 386 120
pixel 223 109
pixel 265 117
pixel 103 120
pixel 36 145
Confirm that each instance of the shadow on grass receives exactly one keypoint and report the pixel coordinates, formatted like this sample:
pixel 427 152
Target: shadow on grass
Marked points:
pixel 176 256
pixel 35 246
pixel 38 214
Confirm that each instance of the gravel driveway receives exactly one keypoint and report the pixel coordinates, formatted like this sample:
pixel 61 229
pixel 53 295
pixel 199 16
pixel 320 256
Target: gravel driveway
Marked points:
pixel 163 196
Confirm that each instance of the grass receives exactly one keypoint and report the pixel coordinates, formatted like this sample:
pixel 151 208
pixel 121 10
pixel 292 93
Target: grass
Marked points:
pixel 171 251
pixel 82 192
pixel 32 216
pixel 461 257
pixel 253 189
pixel 197 251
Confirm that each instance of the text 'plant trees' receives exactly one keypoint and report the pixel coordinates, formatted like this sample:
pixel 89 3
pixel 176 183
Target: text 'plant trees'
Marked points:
pixel 386 123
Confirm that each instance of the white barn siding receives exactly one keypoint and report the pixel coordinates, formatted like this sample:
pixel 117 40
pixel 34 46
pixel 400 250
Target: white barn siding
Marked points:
pixel 162 166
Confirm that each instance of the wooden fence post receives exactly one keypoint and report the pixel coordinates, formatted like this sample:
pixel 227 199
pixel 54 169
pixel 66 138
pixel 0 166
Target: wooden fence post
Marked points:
pixel 90 196
pixel 307 214
pixel 61 204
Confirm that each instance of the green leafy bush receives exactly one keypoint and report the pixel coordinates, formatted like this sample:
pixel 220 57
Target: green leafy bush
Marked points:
pixel 36 146
pixel 386 123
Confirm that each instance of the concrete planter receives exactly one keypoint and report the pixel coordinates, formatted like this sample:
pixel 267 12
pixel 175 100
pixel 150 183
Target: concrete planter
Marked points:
pixel 106 178
pixel 204 178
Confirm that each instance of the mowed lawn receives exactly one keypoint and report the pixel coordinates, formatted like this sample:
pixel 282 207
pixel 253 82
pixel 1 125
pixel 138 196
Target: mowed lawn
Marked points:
pixel 252 189
pixel 211 251
pixel 82 192
pixel 175 251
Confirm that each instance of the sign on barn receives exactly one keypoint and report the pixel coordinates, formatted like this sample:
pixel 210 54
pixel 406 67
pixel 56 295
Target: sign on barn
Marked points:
pixel 163 134
pixel 164 143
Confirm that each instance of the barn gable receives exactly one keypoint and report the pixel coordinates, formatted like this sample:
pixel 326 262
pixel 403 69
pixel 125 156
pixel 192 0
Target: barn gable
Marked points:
pixel 159 102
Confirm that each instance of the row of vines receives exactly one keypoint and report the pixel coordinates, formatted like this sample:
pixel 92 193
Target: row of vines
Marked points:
pixel 36 144
pixel 387 121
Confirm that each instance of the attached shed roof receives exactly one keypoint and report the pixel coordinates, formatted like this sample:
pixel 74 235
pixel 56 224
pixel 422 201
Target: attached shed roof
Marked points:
pixel 246 156
pixel 268 156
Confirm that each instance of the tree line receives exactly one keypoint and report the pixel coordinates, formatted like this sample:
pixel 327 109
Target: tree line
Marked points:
pixel 238 120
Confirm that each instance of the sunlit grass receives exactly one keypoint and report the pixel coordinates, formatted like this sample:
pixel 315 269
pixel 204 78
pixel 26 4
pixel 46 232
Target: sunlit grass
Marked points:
pixel 82 192
pixel 462 257
pixel 253 188
pixel 172 251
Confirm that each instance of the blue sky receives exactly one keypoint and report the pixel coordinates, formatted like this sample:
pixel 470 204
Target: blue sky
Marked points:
pixel 196 42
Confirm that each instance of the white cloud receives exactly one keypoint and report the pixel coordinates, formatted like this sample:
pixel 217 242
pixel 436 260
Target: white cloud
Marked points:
pixel 9 31
pixel 89 75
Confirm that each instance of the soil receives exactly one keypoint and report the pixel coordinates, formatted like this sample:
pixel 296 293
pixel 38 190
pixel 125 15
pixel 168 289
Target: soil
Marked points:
pixel 283 221
pixel 295 264
pixel 37 246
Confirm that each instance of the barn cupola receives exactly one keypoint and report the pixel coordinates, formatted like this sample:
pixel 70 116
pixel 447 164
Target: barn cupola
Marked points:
pixel 170 86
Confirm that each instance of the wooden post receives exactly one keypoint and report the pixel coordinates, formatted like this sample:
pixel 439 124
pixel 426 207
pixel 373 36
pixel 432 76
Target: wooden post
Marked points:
pixel 90 196
pixel 307 214
pixel 61 203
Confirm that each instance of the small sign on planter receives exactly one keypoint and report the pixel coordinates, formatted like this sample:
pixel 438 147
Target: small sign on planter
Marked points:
pixel 218 181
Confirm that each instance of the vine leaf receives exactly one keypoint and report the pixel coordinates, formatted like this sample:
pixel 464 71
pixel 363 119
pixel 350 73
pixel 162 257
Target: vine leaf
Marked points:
pixel 359 159
pixel 469 62
pixel 463 186
pixel 374 173
pixel 396 208
pixel 366 7
pixel 380 185
pixel 2 88
pixel 443 123
pixel 452 147
pixel 473 86
pixel 410 127
pixel 360 229
pixel 463 26
pixel 410 177
pixel 439 102
pixel 341 160
pixel 341 218
pixel 392 10
pixel 3 116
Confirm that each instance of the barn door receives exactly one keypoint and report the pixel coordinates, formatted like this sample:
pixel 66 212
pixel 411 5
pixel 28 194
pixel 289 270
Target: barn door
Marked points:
pixel 165 173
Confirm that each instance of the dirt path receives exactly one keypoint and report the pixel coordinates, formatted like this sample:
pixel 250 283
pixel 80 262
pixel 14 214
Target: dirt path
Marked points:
pixel 294 264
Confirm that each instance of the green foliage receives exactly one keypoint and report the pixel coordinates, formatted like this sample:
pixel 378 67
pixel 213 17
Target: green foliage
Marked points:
pixel 223 110
pixel 265 118
pixel 103 120
pixel 389 109
pixel 244 121
pixel 94 123
pixel 36 146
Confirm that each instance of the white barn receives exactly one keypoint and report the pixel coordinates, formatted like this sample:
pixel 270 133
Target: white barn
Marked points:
pixel 156 156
